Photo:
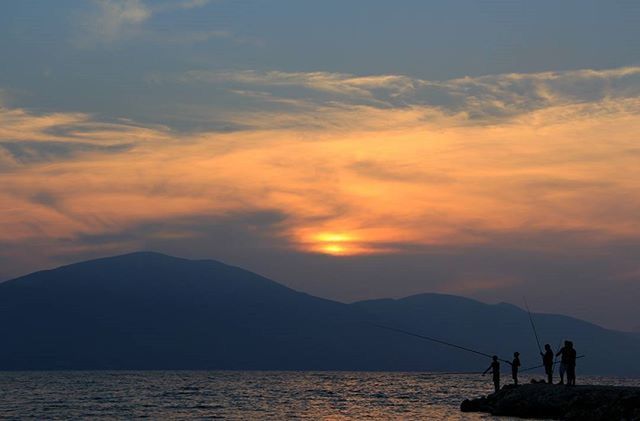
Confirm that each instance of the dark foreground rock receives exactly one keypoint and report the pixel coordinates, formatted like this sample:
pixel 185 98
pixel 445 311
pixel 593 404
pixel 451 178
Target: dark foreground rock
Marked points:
pixel 583 403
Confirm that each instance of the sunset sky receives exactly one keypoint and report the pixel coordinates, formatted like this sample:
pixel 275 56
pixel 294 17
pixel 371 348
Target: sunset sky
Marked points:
pixel 350 149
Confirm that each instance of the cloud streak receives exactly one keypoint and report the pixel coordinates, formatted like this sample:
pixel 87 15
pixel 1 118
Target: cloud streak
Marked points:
pixel 486 98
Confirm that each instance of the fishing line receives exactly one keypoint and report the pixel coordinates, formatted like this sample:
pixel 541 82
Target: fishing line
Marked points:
pixel 428 338
pixel 554 363
pixel 535 332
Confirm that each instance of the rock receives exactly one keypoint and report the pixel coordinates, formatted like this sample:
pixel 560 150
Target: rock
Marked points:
pixel 540 400
pixel 475 405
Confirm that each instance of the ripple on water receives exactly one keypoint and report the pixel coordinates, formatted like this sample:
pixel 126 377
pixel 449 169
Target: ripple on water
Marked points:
pixel 243 395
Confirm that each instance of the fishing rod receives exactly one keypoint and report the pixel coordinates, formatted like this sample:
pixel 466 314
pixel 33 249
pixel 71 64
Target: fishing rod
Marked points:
pixel 429 338
pixel 533 326
pixel 542 365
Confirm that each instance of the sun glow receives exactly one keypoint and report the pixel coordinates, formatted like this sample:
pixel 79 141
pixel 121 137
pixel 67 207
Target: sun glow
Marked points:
pixel 337 243
pixel 334 249
pixel 333 243
pixel 438 182
pixel 330 237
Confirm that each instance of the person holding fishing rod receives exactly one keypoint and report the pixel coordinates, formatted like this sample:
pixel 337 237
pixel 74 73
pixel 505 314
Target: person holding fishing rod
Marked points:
pixel 515 365
pixel 495 370
pixel 568 363
pixel 495 364
pixel 547 356
pixel 547 362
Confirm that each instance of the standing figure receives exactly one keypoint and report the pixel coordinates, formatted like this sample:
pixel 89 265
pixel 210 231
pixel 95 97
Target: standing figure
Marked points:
pixel 495 370
pixel 571 364
pixel 547 361
pixel 515 364
pixel 564 353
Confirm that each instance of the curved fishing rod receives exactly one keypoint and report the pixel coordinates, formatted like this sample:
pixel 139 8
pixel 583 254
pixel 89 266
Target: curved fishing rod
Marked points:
pixel 428 338
pixel 533 326
pixel 542 365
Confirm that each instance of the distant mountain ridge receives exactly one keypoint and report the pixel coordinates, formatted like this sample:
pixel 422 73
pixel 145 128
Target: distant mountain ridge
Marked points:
pixel 151 311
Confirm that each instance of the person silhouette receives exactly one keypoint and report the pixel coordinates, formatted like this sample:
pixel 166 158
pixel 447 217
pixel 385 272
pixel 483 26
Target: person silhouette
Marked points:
pixel 495 370
pixel 571 364
pixel 515 364
pixel 564 353
pixel 547 361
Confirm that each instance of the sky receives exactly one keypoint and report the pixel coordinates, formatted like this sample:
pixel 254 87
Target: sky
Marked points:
pixel 348 149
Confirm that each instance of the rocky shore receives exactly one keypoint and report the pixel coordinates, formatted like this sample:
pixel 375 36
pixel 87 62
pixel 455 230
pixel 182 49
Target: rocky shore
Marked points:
pixel 585 403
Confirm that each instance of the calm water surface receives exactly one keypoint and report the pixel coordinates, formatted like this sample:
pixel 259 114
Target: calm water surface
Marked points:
pixel 243 395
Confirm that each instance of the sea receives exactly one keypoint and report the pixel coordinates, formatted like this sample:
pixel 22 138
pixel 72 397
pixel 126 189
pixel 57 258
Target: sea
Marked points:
pixel 247 395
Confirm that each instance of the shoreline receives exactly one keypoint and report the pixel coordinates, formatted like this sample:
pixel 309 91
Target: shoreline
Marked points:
pixel 581 402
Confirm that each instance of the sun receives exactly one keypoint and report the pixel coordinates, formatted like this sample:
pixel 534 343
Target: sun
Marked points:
pixel 334 249
pixel 333 243
pixel 345 242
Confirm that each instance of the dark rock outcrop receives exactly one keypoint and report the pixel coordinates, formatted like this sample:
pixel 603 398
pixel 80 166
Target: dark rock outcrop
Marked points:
pixel 583 403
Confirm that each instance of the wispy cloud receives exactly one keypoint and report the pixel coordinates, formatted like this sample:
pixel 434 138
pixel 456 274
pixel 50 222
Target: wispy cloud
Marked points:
pixel 28 152
pixel 456 182
pixel 114 21
pixel 475 98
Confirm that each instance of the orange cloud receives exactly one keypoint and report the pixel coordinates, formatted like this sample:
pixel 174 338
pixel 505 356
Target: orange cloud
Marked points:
pixel 363 180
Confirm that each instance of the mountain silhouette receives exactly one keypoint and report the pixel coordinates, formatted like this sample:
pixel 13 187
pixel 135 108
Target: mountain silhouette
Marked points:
pixel 151 311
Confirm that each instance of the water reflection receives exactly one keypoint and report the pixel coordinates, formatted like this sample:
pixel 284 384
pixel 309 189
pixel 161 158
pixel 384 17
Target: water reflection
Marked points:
pixel 244 395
